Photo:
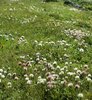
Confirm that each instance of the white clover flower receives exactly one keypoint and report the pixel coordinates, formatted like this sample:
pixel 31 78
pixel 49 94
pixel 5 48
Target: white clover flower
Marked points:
pixel 70 84
pixel 50 84
pixel 54 63
pixel 61 73
pixel 77 77
pixel 65 55
pixel 12 39
pixel 25 68
pixel 38 59
pixel 77 86
pixel 81 50
pixel 62 82
pixel 70 62
pixel 66 77
pixel 89 75
pixel 70 73
pixel 22 57
pixel 29 82
pixel 9 74
pixel 16 78
pixel 89 79
pixel 1 70
pixel 27 78
pixel 41 81
pixel 65 49
pixel 56 76
pixel 66 63
pixel 36 41
pixel 31 75
pixel 2 76
pixel 61 69
pixel 44 59
pixel 75 69
pixel 0 80
pixel 39 77
pixel 79 72
pixel 80 95
pixel 65 67
pixel 5 71
pixel 86 66
pixel 10 9
pixel 9 68
pixel 73 9
pixel 9 84
pixel 40 44
pixel 60 58
pixel 25 75
pixel 58 67
pixel 38 54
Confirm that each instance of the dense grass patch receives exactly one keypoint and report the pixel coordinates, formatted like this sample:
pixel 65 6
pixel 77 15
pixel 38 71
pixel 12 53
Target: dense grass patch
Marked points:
pixel 45 51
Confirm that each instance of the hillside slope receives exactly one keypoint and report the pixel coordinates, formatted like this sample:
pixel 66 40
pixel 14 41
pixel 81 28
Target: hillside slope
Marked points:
pixel 45 51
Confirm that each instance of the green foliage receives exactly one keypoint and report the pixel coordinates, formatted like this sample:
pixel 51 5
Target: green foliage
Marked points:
pixel 49 0
pixel 45 51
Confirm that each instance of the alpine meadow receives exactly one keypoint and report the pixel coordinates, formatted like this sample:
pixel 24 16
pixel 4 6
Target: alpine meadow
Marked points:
pixel 45 49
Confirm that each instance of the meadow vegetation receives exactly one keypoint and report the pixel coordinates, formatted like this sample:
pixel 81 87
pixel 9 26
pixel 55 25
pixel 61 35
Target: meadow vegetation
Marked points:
pixel 45 50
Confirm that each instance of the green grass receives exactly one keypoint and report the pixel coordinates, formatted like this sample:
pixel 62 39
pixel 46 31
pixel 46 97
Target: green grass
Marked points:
pixel 49 40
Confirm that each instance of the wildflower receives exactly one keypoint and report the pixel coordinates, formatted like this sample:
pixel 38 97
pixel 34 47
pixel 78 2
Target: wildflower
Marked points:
pixel 41 80
pixel 5 71
pixel 54 63
pixel 29 81
pixel 77 86
pixel 89 79
pixel 25 75
pixel 38 54
pixel 36 41
pixel 31 75
pixel 66 77
pixel 81 50
pixel 62 82
pixel 25 68
pixel 0 80
pixel 70 84
pixel 89 75
pixel 75 69
pixel 65 67
pixel 66 63
pixel 61 73
pixel 2 76
pixel 50 77
pixel 1 70
pixel 86 66
pixel 73 9
pixel 79 72
pixel 16 78
pixel 62 69
pixel 58 67
pixel 77 77
pixel 70 73
pixel 27 78
pixel 70 62
pixel 9 84
pixel 80 95
pixel 51 84
pixel 22 57
pixel 65 55
pixel 9 74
